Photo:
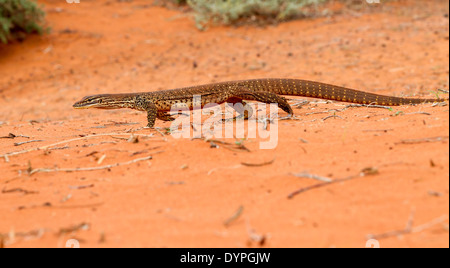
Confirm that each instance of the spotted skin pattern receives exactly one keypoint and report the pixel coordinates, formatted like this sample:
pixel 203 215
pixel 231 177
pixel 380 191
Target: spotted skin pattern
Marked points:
pixel 269 90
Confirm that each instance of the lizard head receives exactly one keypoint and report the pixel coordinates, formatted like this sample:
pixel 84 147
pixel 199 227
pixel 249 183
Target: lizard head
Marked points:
pixel 104 101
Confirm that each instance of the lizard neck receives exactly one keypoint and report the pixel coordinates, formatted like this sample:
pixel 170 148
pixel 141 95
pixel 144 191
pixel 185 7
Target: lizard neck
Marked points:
pixel 117 101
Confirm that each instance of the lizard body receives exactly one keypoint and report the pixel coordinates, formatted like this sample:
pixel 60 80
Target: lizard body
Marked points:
pixel 157 104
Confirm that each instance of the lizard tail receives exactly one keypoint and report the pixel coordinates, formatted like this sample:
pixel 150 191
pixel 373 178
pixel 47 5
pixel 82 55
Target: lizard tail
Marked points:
pixel 296 87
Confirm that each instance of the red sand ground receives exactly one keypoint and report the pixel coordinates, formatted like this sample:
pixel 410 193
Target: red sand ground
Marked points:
pixel 183 196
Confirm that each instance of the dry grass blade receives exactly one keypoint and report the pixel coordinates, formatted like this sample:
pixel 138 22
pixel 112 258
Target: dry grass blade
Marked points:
pixel 332 116
pixel 424 113
pixel 237 146
pixel 79 187
pixel 312 176
pixel 12 136
pixel 377 130
pixel 365 172
pixel 7 155
pixel 74 228
pixel 33 171
pixel 258 164
pixel 18 190
pixel 369 106
pixel 235 216
pixel 432 139
pixel 409 229
pixel 25 142
pixel 13 237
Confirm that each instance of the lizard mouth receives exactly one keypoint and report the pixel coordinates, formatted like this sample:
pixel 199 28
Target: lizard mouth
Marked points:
pixel 78 105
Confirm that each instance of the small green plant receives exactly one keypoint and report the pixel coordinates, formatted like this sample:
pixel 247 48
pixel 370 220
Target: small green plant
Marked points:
pixel 438 93
pixel 19 18
pixel 232 11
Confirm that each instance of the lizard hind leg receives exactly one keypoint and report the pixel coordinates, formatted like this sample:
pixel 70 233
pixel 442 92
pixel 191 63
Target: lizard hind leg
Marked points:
pixel 244 110
pixel 164 116
pixel 267 97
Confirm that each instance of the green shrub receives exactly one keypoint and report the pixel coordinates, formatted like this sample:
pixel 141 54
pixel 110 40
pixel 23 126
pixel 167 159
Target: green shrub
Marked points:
pixel 19 18
pixel 231 11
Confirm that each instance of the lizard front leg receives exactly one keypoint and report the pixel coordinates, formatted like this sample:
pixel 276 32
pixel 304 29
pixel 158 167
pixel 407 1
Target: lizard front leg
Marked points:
pixel 143 104
pixel 152 113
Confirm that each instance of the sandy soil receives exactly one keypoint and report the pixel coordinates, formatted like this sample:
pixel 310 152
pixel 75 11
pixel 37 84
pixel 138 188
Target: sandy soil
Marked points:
pixel 192 194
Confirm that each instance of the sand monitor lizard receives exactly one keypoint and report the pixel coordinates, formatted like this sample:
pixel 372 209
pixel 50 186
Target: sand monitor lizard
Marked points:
pixel 157 104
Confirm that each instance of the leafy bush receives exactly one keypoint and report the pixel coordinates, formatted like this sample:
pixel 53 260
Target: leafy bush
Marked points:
pixel 231 11
pixel 18 18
